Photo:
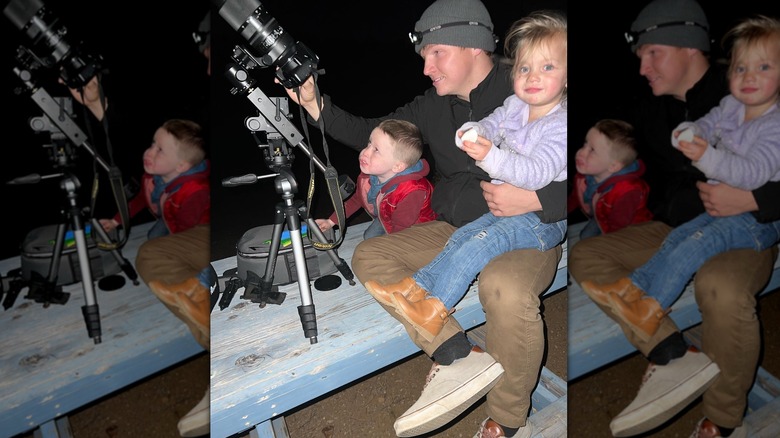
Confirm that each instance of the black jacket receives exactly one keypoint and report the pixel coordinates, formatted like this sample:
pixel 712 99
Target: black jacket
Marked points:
pixel 457 196
pixel 674 198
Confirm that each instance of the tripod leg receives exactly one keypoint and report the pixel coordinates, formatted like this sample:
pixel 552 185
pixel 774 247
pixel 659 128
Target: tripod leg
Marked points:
pixel 306 309
pixel 262 290
pixel 340 263
pixel 127 268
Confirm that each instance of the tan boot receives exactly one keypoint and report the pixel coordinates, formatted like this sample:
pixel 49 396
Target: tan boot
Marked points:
pixel 167 292
pixel 196 306
pixel 384 292
pixel 623 288
pixel 643 315
pixel 428 315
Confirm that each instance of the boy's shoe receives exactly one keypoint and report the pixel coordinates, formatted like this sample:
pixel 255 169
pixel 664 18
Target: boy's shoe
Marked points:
pixel 196 422
pixel 599 293
pixel 428 315
pixel 491 429
pixel 707 429
pixel 643 316
pixel 666 389
pixel 449 390
pixel 384 292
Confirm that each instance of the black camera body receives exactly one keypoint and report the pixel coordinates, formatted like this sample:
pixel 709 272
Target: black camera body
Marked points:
pixel 270 44
pixel 49 44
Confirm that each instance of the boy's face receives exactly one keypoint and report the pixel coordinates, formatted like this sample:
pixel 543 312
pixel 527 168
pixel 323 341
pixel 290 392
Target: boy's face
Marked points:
pixel 377 157
pixel 161 158
pixel 754 78
pixel 540 76
pixel 594 159
pixel 665 68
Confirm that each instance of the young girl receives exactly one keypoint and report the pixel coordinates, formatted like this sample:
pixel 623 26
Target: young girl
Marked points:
pixel 738 143
pixel 522 143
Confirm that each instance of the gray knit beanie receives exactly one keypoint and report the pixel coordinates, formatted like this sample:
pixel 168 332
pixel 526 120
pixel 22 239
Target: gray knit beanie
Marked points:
pixel 679 23
pixel 475 29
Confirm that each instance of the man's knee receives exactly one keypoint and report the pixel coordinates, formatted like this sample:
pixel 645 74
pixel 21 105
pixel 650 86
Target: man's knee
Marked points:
pixel 518 278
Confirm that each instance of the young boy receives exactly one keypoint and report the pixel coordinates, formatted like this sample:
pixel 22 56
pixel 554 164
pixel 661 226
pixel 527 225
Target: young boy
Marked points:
pixel 391 187
pixel 608 186
pixel 175 184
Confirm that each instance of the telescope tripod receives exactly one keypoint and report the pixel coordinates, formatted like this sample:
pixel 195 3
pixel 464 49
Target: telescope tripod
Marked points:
pixel 47 290
pixel 290 211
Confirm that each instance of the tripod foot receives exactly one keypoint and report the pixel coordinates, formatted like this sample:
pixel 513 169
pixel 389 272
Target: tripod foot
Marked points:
pixel 92 318
pixel 309 322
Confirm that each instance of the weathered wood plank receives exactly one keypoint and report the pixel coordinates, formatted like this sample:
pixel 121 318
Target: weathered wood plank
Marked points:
pixel 49 364
pixel 263 366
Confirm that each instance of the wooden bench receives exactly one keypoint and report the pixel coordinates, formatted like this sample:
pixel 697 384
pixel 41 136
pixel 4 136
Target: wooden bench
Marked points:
pixel 262 365
pixel 595 341
pixel 50 366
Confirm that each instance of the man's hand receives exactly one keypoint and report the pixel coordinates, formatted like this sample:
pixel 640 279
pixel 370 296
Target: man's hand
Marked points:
pixel 724 200
pixel 307 97
pixel 508 200
pixel 89 96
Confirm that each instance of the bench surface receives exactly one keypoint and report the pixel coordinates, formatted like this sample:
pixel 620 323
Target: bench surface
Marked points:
pixel 49 364
pixel 262 364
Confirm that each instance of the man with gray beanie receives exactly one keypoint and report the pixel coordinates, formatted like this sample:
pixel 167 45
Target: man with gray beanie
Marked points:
pixel 671 40
pixel 456 41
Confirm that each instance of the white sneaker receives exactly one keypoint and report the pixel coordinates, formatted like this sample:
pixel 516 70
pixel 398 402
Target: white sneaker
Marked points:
pixel 449 390
pixel 491 429
pixel 665 390
pixel 196 422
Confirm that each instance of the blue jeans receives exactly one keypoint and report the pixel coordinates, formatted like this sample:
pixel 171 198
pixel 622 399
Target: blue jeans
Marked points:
pixel 375 229
pixel 159 229
pixel 591 229
pixel 691 244
pixel 448 276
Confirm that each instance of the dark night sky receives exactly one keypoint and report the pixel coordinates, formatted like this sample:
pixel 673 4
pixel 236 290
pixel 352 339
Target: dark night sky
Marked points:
pixel 157 73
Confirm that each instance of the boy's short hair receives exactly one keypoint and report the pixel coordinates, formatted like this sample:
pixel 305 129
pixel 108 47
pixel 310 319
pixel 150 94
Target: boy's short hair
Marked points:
pixel 408 147
pixel 621 138
pixel 190 137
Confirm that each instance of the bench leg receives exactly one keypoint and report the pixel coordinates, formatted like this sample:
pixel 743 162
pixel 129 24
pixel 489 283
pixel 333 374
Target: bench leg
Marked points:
pixel 57 428
pixel 276 428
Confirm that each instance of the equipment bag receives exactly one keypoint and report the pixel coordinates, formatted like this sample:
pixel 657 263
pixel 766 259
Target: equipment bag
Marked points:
pixel 38 253
pixel 255 245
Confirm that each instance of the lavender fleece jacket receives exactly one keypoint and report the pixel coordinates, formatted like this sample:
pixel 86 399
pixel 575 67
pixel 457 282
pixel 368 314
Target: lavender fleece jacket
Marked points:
pixel 528 155
pixel 744 155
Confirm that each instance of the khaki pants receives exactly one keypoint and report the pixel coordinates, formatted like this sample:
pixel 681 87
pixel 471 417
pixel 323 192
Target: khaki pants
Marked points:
pixel 509 290
pixel 725 290
pixel 174 258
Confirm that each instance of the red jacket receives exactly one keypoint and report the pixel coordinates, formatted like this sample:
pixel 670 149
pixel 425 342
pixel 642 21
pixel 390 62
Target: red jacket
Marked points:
pixel 403 201
pixel 185 202
pixel 619 201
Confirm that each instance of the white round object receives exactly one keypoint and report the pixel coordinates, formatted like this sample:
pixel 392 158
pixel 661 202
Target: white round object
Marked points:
pixel 686 135
pixel 470 135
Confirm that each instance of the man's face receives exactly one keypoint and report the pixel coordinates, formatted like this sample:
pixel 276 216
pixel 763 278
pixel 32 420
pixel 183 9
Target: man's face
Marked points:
pixel 449 67
pixel 665 68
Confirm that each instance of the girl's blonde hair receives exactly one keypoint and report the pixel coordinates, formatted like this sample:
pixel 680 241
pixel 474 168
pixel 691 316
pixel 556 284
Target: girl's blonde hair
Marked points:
pixel 756 31
pixel 532 32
